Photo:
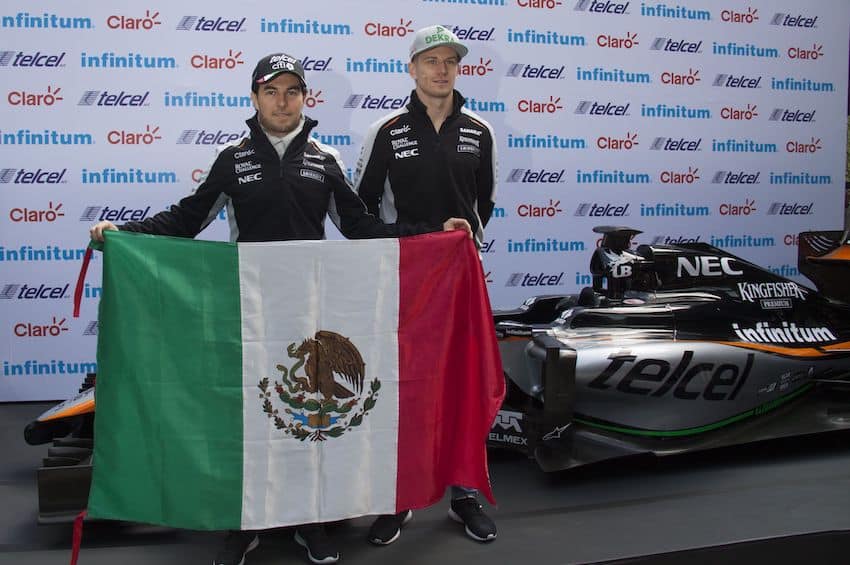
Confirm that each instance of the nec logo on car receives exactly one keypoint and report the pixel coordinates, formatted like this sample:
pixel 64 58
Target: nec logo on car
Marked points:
pixel 200 23
pixel 29 60
pixel 105 98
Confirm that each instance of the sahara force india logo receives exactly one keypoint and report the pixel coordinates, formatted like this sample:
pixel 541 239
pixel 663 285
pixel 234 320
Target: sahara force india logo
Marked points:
pixel 317 406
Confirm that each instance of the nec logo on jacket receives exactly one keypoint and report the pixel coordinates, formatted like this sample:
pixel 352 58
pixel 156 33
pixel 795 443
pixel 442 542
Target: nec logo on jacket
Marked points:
pixel 251 178
pixel 407 153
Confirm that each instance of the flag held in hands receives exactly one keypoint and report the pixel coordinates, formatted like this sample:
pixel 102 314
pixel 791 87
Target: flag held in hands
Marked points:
pixel 255 385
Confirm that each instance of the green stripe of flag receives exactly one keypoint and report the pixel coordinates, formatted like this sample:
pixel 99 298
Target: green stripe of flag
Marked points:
pixel 185 339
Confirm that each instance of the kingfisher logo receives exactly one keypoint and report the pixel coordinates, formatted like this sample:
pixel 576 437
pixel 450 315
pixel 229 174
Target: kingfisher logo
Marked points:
pixel 690 176
pixel 740 114
pixel 204 137
pixel 627 143
pixel 37 216
pixel 377 29
pixel 146 23
pixel 38 176
pixel 472 33
pixel 789 20
pixel 733 177
pixel 551 106
pixel 536 176
pixel 484 105
pixel 675 209
pixel 534 37
pixel 676 45
pixel 550 210
pixel 600 74
pixel 790 209
pixel 201 23
pixel 375 102
pixel 127 176
pixel 550 141
pixel 730 209
pixel 34 292
pixel 536 279
pixel 110 60
pixel 602 7
pixel 479 69
pixel 792 115
pixel 806 54
pixel 751 16
pixel 691 78
pixel 30 329
pixel 124 137
pixel 303 27
pixel 605 210
pixel 108 99
pixel 673 144
pixel 812 146
pixel 523 70
pixel 594 108
pixel 629 41
pixel 23 98
pixel 25 60
pixel 548 245
pixel 99 213
pixel 23 20
pixel 45 137
pixel 227 63
pixel 732 81
pixel 375 65
pixel 746 50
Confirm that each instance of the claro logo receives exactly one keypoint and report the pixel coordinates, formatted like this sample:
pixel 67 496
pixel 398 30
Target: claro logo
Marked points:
pixel 209 62
pixel 30 215
pixel 146 23
pixel 124 137
pixel 378 29
pixel 24 98
pixel 53 329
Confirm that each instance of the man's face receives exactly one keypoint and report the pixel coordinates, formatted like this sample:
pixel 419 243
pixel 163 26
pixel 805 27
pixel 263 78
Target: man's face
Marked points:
pixel 435 71
pixel 279 103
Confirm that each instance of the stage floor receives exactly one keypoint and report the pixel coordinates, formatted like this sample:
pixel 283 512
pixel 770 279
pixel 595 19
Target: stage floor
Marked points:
pixel 637 511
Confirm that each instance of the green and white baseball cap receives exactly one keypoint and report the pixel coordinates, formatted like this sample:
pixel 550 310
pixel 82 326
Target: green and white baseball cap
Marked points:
pixel 436 36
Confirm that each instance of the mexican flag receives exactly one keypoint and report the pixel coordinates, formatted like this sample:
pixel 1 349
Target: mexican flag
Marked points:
pixel 255 385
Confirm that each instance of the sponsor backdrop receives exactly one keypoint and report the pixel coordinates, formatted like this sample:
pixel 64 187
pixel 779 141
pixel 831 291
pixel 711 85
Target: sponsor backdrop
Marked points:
pixel 720 122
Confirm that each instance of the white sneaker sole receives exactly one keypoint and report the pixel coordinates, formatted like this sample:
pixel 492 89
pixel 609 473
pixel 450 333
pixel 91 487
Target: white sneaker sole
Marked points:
pixel 453 515
pixel 251 546
pixel 303 543
pixel 407 518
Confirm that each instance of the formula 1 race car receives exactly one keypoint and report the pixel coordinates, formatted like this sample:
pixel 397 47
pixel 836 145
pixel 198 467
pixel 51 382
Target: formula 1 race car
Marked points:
pixel 676 348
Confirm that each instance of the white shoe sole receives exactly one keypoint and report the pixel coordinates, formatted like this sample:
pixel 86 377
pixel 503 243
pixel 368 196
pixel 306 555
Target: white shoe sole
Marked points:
pixel 407 518
pixel 453 515
pixel 251 546
pixel 303 543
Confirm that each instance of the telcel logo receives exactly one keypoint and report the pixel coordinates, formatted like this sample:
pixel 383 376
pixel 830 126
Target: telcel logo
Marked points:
pixel 122 214
pixel 522 70
pixel 732 81
pixel 472 33
pixel 123 137
pixel 29 215
pixel 535 279
pixel 790 209
pixel 38 176
pixel 735 17
pixel 371 102
pixel 611 42
pixel 23 98
pixel 313 65
pixel 594 210
pixel 106 99
pixel 535 107
pixel 675 46
pixel 28 60
pixel 787 20
pixel 802 53
pixel 541 176
pixel 204 137
pixel 28 329
pixel 626 143
pixel 602 7
pixel 745 209
pixel 200 23
pixel 732 113
pixel 228 62
pixel 146 23
pixel 679 177
pixel 29 292
pixel 534 211
pixel 812 146
pixel 681 79
pixel 593 108
pixel 672 144
pixel 377 29
pixel 740 177
pixel 792 115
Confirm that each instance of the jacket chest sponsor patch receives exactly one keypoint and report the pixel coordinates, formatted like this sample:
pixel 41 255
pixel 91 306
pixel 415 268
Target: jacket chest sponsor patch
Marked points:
pixel 314 175
pixel 247 166
pixel 464 148
pixel 403 142
pixel 405 153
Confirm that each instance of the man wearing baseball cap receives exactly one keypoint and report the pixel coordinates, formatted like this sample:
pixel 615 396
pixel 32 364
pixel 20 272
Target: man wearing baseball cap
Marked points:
pixel 433 158
pixel 278 184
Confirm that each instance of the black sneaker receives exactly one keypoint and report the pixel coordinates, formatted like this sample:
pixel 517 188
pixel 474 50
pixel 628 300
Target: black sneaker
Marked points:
pixel 467 511
pixel 387 527
pixel 235 547
pixel 319 547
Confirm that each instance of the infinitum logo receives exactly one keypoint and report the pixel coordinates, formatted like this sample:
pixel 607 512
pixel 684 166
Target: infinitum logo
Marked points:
pixel 124 137
pixel 484 105
pixel 332 139
pixel 146 23
pixel 127 176
pixel 548 245
pixel 673 12
pixel 600 74
pixel 192 99
pixel 674 144
pixel 23 20
pixel 691 78
pixel 806 54
pixel 202 23
pixel 549 141
pixel 788 332
pixel 209 137
pixel 628 41
pixel 746 50
pixel 802 177
pixel 742 146
pixel 523 70
pixel 375 65
pixel 675 209
pixel 375 102
pixel 616 176
pixel 37 215
pixel 24 98
pixel 676 45
pixel 123 214
pixel 789 20
pixel 790 209
pixel 303 27
pixel 625 143
pixel 22 59
pixel 28 253
pixel 551 106
pixel 732 241
pixel 604 210
pixel 38 176
pixel 534 37
pixel 595 108
pixel 108 99
pixel 678 111
pixel 602 7
pixel 535 176
pixel 109 60
pixel 378 29
pixel 45 137
pixel 227 63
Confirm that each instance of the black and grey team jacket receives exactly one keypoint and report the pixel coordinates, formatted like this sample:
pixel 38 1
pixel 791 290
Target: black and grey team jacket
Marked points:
pixel 409 173
pixel 275 199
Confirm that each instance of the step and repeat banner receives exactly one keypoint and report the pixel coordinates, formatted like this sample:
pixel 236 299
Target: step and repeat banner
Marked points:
pixel 720 122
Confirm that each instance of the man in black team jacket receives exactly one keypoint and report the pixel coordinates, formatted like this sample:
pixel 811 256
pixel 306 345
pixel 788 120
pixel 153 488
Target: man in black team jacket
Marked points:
pixel 278 184
pixel 428 160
